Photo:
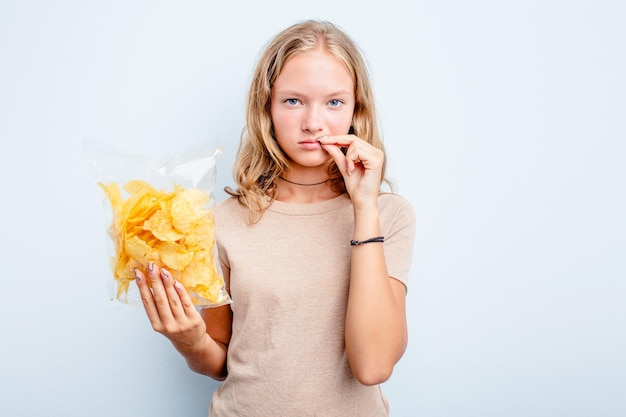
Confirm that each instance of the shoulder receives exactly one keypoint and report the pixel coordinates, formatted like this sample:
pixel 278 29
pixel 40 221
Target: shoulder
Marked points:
pixel 230 208
pixel 226 204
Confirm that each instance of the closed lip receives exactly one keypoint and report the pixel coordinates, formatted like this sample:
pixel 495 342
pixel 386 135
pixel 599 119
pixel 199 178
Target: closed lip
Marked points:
pixel 310 144
pixel 312 140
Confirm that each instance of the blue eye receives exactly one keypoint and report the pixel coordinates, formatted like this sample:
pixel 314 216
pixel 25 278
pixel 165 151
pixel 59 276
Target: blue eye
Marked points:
pixel 334 102
pixel 292 101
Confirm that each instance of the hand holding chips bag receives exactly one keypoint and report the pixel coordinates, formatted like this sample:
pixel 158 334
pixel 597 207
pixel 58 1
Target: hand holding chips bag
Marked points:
pixel 161 211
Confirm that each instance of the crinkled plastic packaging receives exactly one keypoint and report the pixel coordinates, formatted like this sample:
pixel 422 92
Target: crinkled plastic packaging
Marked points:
pixel 160 210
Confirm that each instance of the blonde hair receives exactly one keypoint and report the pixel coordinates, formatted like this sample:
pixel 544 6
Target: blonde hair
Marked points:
pixel 260 161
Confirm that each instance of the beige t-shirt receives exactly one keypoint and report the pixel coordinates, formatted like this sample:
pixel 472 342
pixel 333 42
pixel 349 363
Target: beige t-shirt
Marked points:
pixel 288 277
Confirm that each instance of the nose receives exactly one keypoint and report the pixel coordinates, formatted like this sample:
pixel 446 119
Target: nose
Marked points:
pixel 313 120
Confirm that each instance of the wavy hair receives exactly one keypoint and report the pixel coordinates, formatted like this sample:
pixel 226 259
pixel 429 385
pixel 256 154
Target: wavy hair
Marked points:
pixel 260 161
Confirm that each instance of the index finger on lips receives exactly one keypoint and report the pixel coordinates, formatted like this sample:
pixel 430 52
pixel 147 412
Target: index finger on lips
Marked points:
pixel 340 140
pixel 344 142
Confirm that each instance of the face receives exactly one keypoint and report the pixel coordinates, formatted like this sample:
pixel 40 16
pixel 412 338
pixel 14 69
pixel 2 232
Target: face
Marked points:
pixel 313 96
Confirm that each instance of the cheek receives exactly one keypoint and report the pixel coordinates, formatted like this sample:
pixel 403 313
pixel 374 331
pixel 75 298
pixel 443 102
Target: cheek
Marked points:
pixel 346 119
pixel 282 126
pixel 342 125
pixel 277 122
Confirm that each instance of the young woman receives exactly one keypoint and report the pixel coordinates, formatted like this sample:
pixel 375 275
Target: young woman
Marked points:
pixel 316 258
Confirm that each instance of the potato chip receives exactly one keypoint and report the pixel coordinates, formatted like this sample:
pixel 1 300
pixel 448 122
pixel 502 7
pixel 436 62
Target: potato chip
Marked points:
pixel 187 209
pixel 174 229
pixel 136 248
pixel 160 224
pixel 174 256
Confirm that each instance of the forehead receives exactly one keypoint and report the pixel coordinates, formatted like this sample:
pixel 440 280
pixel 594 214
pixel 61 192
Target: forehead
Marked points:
pixel 314 69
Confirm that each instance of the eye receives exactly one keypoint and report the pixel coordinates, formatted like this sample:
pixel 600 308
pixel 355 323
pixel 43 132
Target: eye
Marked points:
pixel 334 102
pixel 292 101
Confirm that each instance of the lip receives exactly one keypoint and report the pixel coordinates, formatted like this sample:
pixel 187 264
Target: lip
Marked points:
pixel 310 144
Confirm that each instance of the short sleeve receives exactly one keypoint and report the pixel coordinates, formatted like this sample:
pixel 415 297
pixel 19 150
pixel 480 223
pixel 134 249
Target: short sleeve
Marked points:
pixel 221 222
pixel 397 222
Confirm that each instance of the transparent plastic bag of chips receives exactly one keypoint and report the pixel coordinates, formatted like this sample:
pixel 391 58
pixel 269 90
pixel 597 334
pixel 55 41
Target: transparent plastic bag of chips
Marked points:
pixel 160 210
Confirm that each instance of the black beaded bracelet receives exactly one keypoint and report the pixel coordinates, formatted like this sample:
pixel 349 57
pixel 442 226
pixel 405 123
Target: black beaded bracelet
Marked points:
pixel 370 240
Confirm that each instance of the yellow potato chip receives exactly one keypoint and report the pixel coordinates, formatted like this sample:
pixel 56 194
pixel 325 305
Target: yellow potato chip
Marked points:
pixel 174 256
pixel 187 208
pixel 137 248
pixel 138 187
pixel 202 234
pixel 160 224
pixel 174 229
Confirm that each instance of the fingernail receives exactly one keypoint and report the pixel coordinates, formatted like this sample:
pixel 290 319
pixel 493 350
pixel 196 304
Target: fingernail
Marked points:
pixel 136 272
pixel 165 275
pixel 178 285
pixel 150 266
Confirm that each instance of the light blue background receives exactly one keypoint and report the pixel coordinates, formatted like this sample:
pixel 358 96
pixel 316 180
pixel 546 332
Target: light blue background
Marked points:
pixel 504 123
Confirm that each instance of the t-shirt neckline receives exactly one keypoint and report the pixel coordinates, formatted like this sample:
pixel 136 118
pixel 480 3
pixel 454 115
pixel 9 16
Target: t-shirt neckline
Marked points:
pixel 310 208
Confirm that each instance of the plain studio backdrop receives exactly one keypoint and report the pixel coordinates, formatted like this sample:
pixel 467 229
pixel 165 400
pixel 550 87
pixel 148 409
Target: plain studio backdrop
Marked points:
pixel 504 126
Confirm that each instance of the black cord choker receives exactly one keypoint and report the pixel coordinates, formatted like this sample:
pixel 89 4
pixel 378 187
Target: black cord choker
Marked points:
pixel 304 185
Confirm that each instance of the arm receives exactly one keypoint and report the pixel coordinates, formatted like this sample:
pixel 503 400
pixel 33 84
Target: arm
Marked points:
pixel 376 331
pixel 202 339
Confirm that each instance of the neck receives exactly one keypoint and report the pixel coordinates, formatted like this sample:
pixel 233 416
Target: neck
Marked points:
pixel 295 192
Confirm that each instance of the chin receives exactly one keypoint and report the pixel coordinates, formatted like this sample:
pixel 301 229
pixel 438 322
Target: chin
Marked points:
pixel 313 163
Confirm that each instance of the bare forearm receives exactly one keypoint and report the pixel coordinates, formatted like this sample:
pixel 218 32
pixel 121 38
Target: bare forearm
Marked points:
pixel 209 358
pixel 376 333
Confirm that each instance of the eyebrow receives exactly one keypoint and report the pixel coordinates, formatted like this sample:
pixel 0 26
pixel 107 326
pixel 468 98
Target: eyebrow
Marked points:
pixel 288 91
